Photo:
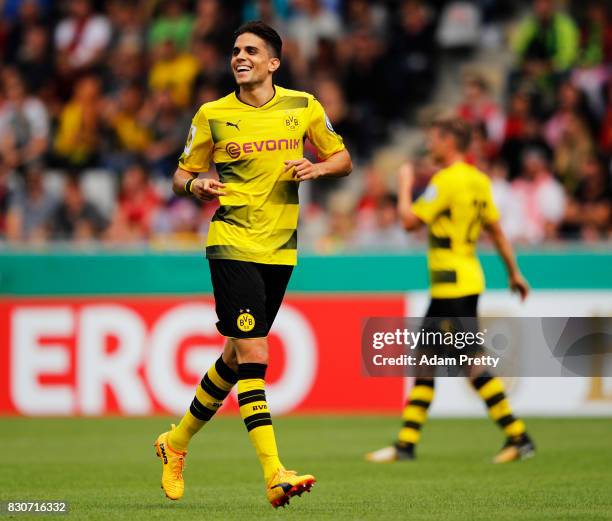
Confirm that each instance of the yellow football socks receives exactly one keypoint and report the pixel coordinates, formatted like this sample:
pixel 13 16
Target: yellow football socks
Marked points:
pixel 257 419
pixel 210 393
pixel 415 412
pixel 491 390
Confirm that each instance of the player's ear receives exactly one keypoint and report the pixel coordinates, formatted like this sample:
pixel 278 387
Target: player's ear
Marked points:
pixel 273 64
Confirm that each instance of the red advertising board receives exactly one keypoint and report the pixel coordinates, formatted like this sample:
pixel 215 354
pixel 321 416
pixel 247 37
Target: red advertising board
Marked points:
pixel 145 355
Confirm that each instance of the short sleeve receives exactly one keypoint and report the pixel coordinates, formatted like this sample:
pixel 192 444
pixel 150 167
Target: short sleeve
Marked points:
pixel 490 213
pixel 434 200
pixel 321 133
pixel 198 148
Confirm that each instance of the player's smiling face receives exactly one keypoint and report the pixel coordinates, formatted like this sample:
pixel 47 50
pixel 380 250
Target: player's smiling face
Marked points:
pixel 252 60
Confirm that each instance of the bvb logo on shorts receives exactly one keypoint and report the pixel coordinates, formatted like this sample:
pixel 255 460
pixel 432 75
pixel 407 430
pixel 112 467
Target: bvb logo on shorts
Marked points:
pixel 246 321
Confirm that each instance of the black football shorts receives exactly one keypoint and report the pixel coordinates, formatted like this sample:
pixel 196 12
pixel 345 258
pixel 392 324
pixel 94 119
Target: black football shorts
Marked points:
pixel 451 315
pixel 248 295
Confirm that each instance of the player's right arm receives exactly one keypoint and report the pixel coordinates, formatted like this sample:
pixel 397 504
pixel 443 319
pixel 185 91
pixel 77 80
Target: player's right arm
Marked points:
pixel 195 159
pixel 506 252
pixel 490 221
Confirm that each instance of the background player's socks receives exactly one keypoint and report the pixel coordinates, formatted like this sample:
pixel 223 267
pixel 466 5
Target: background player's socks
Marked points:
pixel 257 419
pixel 491 390
pixel 414 416
pixel 210 393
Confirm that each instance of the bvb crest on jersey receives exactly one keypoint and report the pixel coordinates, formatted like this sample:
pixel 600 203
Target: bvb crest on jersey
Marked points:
pixel 291 122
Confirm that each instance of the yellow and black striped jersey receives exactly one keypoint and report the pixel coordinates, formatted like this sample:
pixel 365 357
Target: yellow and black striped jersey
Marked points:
pixel 457 201
pixel 257 218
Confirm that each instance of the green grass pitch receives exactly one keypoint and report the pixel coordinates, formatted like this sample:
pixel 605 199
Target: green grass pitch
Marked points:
pixel 106 469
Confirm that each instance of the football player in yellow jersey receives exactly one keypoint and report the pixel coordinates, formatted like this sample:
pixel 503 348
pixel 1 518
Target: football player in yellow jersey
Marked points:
pixel 255 138
pixel 457 203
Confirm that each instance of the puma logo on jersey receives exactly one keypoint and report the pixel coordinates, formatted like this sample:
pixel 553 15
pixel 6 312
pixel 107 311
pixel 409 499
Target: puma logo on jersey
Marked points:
pixel 230 124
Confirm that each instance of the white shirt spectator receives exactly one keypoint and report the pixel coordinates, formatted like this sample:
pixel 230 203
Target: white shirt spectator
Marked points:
pixel 308 28
pixel 508 206
pixel 24 122
pixel 94 37
pixel 538 202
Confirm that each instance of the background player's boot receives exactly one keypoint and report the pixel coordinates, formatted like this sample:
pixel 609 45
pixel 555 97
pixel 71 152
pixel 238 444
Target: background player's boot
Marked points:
pixel 173 463
pixel 285 484
pixel 396 452
pixel 518 448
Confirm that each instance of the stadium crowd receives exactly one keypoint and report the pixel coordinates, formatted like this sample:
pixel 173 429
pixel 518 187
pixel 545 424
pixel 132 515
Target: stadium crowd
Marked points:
pixel 96 99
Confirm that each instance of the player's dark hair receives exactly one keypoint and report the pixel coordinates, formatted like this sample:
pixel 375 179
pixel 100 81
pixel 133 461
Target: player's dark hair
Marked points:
pixel 458 128
pixel 265 32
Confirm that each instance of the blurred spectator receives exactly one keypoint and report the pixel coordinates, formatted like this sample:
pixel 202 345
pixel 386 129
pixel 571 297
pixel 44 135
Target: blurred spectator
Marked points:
pixel 75 218
pixel 272 12
pixel 528 138
pixel 339 235
pixel 137 205
pixel 595 35
pixel 29 217
pixel 363 82
pixel 168 127
pixel 411 55
pixel 362 15
pixel 35 62
pixel 387 234
pixel 312 22
pixel 505 201
pixel 24 125
pixel 588 213
pixel 173 24
pixel 546 41
pixel 570 104
pixel 206 92
pixel 173 71
pixel 482 150
pixel 126 66
pixel 127 29
pixel 573 149
pixel 9 9
pixel 540 201
pixel 595 60
pixel 356 133
pixel 459 26
pixel 211 23
pixel 78 133
pixel 81 38
pixel 212 65
pixel 29 16
pixel 128 128
pixel 374 188
pixel 177 224
pixel 519 112
pixel 478 107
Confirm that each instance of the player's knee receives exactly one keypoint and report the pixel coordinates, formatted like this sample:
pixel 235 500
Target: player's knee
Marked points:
pixel 251 350
pixel 231 361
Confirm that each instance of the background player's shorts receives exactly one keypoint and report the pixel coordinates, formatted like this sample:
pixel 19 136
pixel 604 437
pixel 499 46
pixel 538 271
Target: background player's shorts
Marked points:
pixel 248 296
pixel 451 315
pixel 453 307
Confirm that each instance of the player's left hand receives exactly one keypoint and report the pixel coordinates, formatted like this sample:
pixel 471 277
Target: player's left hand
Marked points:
pixel 519 285
pixel 303 169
